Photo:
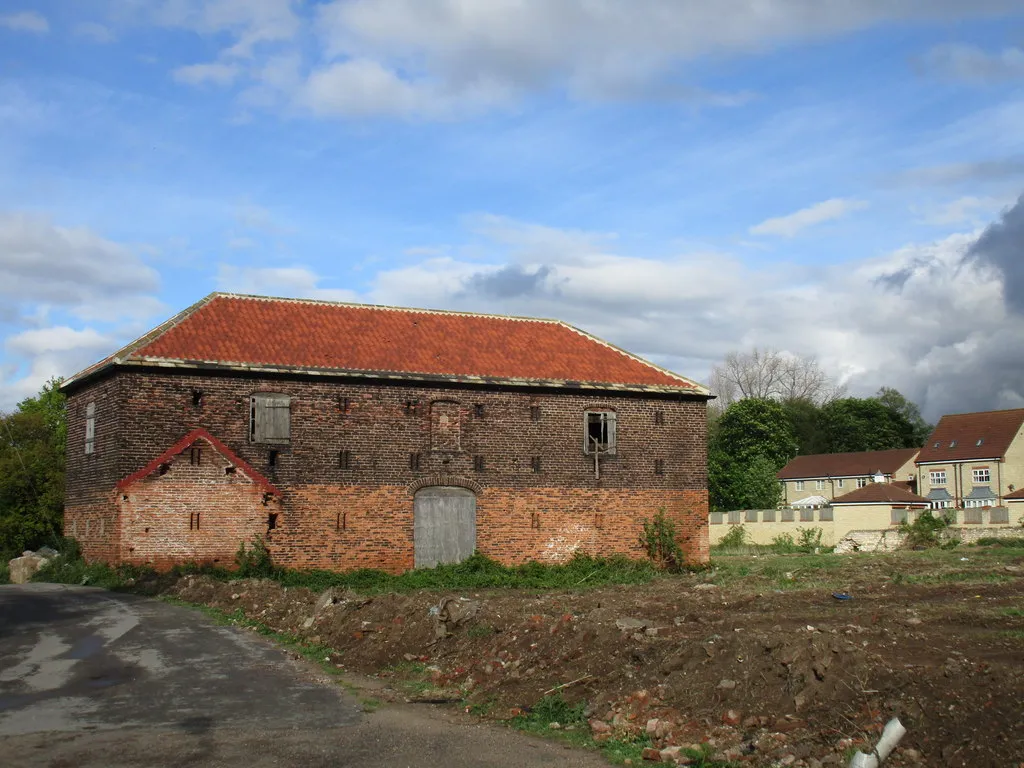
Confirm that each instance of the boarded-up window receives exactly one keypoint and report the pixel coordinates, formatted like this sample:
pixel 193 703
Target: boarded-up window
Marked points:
pixel 716 518
pixel 999 516
pixel 825 514
pixel 750 516
pixel 90 428
pixel 270 418
pixel 769 515
pixel 599 432
pixel 898 516
pixel 972 517
pixel 735 517
pixel 445 426
pixel 787 515
pixel 806 515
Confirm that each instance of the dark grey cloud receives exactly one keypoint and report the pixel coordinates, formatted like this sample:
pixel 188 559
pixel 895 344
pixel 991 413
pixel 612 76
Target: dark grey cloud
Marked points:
pixel 510 282
pixel 1002 246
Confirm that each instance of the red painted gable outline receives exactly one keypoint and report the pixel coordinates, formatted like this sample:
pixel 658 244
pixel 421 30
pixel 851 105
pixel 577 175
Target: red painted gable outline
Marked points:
pixel 186 442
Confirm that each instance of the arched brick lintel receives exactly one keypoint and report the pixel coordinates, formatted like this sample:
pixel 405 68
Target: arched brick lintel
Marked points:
pixel 451 480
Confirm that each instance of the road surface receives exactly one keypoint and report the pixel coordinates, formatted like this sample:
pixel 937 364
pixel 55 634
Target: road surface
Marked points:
pixel 90 678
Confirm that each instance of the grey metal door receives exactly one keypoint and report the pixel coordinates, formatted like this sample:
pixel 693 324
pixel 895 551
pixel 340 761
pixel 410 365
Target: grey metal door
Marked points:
pixel 444 528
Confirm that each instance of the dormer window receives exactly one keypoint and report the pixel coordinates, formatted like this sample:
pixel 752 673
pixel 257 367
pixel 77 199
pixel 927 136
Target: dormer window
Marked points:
pixel 952 443
pixel 980 441
pixel 936 445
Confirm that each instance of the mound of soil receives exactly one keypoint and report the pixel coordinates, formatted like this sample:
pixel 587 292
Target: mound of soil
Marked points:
pixel 794 677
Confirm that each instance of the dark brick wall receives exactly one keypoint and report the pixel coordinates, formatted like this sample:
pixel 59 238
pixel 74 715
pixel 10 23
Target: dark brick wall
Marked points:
pixel 379 429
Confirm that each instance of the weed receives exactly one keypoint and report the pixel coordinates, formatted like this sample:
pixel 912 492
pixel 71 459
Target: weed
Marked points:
pixel 480 630
pixel 255 562
pixel 734 539
pixel 1008 542
pixel 371 704
pixel 808 539
pixel 925 532
pixel 660 543
pixel 1013 612
pixel 783 544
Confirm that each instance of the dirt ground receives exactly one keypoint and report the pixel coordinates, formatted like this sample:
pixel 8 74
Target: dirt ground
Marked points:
pixel 757 658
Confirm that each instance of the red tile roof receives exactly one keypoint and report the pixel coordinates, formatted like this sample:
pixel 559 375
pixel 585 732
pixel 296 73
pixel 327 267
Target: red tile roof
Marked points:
pixel 314 336
pixel 881 493
pixel 1018 494
pixel 187 442
pixel 860 464
pixel 968 436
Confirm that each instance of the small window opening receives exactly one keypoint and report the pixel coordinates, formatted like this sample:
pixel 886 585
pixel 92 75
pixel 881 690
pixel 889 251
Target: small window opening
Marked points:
pixel 90 428
pixel 952 444
pixel 414 461
pixel 344 405
pixel 659 466
pixel 936 445
pixel 478 410
pixel 345 459
pixel 980 441
pixel 193 521
pixel 124 497
pixel 272 459
pixel 197 398
pixel 535 520
pixel 659 417
pixel 478 463
pixel 271 521
pixel 195 456
pixel 230 470
pixel 164 469
pixel 411 407
pixel 534 413
pixel 600 434
pixel 535 463
pixel 341 523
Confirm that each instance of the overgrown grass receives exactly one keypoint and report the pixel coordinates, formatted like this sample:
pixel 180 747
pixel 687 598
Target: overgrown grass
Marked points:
pixel 1010 542
pixel 1013 612
pixel 63 570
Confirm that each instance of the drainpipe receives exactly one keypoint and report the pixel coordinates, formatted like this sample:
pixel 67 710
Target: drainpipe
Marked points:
pixel 960 489
pixel 999 482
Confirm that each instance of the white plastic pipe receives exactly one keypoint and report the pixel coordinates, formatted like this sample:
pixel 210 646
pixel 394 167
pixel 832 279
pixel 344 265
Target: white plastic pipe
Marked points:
pixel 894 731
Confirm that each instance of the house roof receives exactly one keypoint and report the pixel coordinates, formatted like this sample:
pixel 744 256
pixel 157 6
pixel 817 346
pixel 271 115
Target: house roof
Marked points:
pixel 1017 495
pixel 880 493
pixel 939 494
pixel 263 334
pixel 860 464
pixel 980 492
pixel 187 442
pixel 972 436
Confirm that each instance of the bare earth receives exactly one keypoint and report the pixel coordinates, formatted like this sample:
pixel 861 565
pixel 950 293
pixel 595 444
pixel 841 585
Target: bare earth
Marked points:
pixel 756 658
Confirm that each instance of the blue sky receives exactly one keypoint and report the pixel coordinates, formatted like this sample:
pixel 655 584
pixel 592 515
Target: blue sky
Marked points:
pixel 683 178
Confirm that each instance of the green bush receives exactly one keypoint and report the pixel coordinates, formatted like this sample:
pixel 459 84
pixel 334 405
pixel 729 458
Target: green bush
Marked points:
pixel 925 532
pixel 555 709
pixel 1008 542
pixel 808 539
pixel 783 544
pixel 659 541
pixel 5 572
pixel 735 538
pixel 255 562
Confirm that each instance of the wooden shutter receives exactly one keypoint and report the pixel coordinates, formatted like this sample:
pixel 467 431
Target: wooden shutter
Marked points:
pixel 610 432
pixel 271 418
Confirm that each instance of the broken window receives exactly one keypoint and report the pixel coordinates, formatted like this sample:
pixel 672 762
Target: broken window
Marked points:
pixel 90 428
pixel 197 398
pixel 270 418
pixel 599 436
pixel 271 521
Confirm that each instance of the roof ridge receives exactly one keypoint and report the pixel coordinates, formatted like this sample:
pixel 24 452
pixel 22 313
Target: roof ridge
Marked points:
pixel 980 413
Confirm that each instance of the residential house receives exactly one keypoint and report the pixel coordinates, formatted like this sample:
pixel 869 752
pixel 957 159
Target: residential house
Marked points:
pixel 830 475
pixel 973 460
pixel 876 506
pixel 349 436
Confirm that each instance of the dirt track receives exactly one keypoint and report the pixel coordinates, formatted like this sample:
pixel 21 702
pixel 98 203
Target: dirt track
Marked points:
pixel 758 659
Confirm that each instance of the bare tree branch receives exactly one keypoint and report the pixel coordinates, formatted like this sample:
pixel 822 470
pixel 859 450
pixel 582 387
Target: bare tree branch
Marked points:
pixel 772 375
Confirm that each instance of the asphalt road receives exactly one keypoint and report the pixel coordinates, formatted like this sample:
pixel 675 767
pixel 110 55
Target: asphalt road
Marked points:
pixel 92 678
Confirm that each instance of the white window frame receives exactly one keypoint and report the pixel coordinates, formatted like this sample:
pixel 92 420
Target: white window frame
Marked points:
pixel 840 483
pixel 937 477
pixel 862 482
pixel 90 428
pixel 609 431
pixel 270 418
pixel 819 485
pixel 799 485
pixel 981 476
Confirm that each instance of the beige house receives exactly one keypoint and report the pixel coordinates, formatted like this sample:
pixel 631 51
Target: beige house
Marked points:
pixel 973 461
pixel 876 506
pixel 831 475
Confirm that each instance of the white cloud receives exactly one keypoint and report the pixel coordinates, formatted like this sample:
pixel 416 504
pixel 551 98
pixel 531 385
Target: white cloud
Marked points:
pixel 969 210
pixel 218 73
pixel 293 282
pixel 967 62
pixel 795 223
pixel 249 22
pixel 25 21
pixel 917 318
pixel 74 269
pixel 95 32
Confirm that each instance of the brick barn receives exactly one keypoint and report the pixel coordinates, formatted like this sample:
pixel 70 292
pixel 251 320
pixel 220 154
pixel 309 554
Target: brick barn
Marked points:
pixel 350 436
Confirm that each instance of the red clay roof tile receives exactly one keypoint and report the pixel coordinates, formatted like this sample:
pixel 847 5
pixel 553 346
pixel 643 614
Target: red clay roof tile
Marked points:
pixel 312 335
pixel 859 464
pixel 881 493
pixel 967 436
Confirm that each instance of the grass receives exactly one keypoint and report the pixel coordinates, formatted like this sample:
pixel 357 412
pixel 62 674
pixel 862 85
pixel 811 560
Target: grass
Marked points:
pixel 1013 612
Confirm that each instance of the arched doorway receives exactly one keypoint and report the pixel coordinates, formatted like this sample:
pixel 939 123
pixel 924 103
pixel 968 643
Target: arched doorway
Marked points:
pixel 444 525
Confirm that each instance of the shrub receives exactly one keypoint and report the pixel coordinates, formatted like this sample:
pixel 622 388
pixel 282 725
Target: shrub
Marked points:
pixel 783 544
pixel 735 538
pixel 1009 542
pixel 659 541
pixel 925 532
pixel 5 573
pixel 255 562
pixel 808 539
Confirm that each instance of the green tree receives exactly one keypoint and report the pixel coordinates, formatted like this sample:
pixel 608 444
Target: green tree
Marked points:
pixel 32 442
pixel 900 406
pixel 864 424
pixel 804 416
pixel 752 440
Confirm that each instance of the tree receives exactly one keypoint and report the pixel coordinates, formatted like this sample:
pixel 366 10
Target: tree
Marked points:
pixel 768 374
pixel 804 416
pixel 751 441
pixel 864 424
pixel 899 405
pixel 32 442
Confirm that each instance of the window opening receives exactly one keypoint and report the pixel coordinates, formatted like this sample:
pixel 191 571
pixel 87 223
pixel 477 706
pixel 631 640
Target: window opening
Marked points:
pixel 90 428
pixel 414 461
pixel 164 469
pixel 269 418
pixel 272 459
pixel 411 407
pixel 345 459
pixel 659 466
pixel 197 398
pixel 195 457
pixel 659 417
pixel 271 521
pixel 535 463
pixel 229 470
pixel 344 405
pixel 478 411
pixel 534 413
pixel 478 463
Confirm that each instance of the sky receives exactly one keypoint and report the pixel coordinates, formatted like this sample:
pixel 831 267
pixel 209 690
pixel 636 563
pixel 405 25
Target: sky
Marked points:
pixel 679 177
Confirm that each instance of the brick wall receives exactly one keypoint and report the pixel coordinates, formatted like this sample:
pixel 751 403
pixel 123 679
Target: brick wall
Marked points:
pixel 361 516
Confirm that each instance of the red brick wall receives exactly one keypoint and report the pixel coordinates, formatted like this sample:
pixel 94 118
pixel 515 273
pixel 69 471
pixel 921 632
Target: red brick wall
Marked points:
pixel 193 512
pixel 362 516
